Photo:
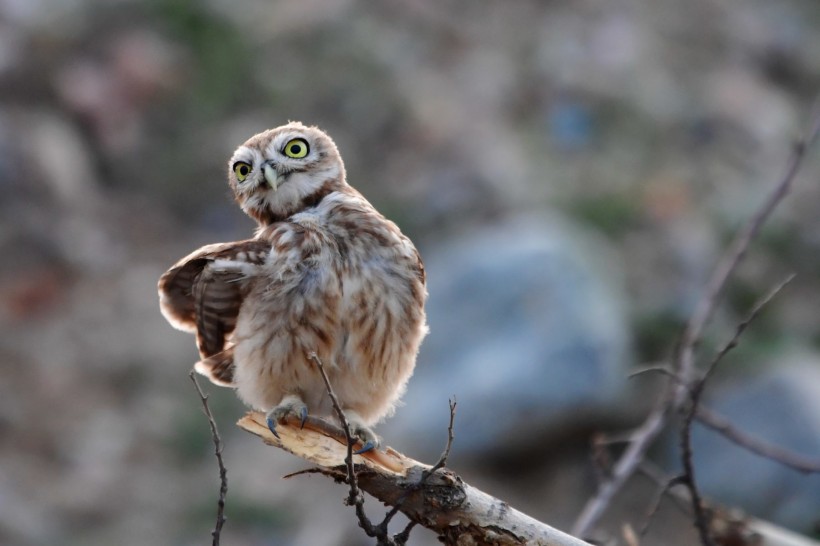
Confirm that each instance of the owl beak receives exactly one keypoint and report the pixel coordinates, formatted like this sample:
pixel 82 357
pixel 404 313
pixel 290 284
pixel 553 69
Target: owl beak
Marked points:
pixel 271 176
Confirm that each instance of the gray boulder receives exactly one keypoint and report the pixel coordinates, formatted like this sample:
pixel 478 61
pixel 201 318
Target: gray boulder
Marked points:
pixel 781 406
pixel 527 331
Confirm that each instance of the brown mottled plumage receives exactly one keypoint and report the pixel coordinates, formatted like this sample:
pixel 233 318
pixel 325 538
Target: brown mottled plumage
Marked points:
pixel 325 273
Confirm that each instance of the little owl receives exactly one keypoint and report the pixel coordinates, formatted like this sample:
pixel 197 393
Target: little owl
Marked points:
pixel 325 275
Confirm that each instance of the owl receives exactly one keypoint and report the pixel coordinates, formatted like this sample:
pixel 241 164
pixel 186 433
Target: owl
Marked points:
pixel 325 274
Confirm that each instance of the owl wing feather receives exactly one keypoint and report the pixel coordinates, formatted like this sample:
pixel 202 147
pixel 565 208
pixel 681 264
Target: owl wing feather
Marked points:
pixel 202 294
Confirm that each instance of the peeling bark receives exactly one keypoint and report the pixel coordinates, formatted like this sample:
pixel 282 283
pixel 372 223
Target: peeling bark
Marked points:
pixel 461 514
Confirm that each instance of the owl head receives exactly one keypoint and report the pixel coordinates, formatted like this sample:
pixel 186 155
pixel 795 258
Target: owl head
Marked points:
pixel 281 171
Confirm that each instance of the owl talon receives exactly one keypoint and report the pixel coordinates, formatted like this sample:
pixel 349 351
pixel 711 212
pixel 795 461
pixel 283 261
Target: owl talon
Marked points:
pixel 272 427
pixel 364 433
pixel 365 448
pixel 303 417
pixel 290 405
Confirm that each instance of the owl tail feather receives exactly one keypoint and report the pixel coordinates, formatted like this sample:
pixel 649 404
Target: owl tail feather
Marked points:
pixel 218 368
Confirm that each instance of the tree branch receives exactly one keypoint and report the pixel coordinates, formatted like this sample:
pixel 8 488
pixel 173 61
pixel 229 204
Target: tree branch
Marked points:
pixel 740 245
pixel 445 503
pixel 223 472
pixel 442 461
pixel 732 343
pixel 656 501
pixel 729 526
pixel 776 453
pixel 355 497
pixel 676 391
pixel 703 515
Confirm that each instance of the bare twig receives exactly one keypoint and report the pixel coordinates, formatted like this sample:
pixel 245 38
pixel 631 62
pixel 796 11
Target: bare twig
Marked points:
pixel 301 473
pixel 425 475
pixel 442 461
pixel 701 514
pixel 223 472
pixel 404 535
pixel 661 479
pixel 740 245
pixel 380 531
pixel 732 343
pixel 641 439
pixel 729 526
pixel 355 497
pixel 656 501
pixel 722 425
pixel 676 393
pixel 661 369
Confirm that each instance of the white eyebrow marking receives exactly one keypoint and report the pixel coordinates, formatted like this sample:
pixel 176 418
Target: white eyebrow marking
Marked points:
pixel 279 141
pixel 243 153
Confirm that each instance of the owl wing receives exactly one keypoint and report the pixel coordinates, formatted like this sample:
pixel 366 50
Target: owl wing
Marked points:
pixel 177 285
pixel 202 294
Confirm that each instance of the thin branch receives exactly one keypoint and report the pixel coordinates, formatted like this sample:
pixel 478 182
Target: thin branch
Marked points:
pixel 641 439
pixel 355 497
pixel 656 501
pixel 773 452
pixel 732 343
pixel 729 526
pixel 663 370
pixel 301 473
pixel 404 536
pixel 675 395
pixel 223 472
pixel 701 514
pixel 442 461
pixel 660 478
pixel 740 245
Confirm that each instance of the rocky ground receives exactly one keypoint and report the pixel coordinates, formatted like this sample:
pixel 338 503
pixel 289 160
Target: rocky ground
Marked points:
pixel 569 171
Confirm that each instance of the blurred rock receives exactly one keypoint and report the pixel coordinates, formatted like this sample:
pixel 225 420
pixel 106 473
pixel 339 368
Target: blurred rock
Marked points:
pixel 112 93
pixel 527 332
pixel 36 280
pixel 58 159
pixel 781 406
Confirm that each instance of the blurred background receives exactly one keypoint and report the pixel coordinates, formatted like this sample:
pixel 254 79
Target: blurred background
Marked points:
pixel 569 171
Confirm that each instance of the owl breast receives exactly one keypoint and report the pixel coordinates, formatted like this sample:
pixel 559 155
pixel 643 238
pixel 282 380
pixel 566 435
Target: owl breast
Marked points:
pixel 344 283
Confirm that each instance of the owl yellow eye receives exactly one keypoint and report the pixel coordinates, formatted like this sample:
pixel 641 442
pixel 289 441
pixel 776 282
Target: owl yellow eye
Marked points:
pixel 241 170
pixel 297 148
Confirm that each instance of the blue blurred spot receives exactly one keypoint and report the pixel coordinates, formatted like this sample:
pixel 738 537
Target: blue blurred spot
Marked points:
pixel 570 124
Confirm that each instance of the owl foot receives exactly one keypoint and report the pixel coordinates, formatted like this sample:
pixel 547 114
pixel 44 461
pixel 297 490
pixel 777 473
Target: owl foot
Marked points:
pixel 290 405
pixel 364 433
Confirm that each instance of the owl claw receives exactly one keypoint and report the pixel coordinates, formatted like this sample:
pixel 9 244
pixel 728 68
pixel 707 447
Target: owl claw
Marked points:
pixel 272 427
pixel 290 405
pixel 365 448
pixel 303 417
pixel 364 433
